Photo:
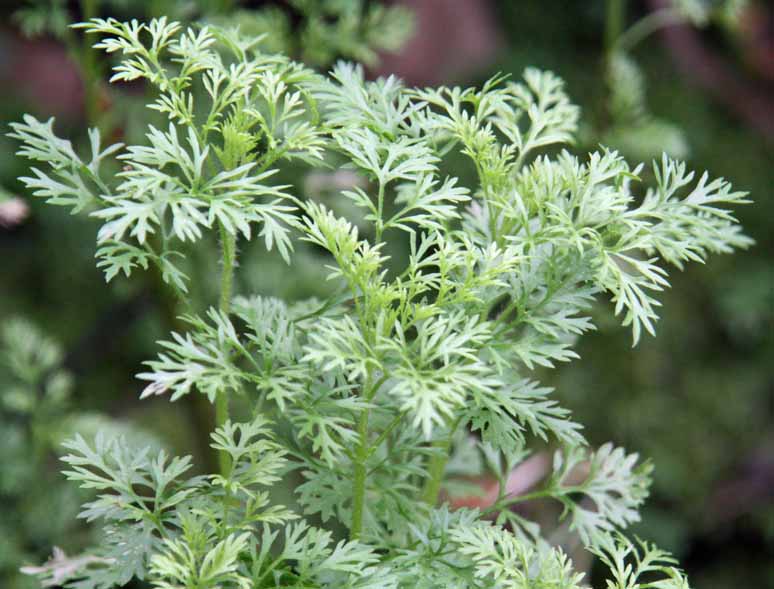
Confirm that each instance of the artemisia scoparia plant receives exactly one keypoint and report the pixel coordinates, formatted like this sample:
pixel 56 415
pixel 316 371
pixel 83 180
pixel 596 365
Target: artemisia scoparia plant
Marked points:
pixel 366 394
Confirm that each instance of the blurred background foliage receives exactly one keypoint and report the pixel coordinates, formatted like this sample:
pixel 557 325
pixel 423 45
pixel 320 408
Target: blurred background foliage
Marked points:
pixel 698 399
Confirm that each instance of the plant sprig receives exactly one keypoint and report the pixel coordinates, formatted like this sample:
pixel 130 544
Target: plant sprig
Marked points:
pixel 368 391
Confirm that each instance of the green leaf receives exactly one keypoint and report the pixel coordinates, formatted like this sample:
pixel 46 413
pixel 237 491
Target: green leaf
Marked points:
pixel 204 358
pixel 615 483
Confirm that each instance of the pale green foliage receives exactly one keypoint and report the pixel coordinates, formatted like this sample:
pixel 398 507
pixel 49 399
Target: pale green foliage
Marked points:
pixel 359 29
pixel 200 172
pixel 600 491
pixel 37 17
pixel 71 178
pixel 35 361
pixel 633 566
pixel 34 398
pixel 202 359
pixel 615 483
pixel 632 128
pixel 36 405
pixel 327 29
pixel 153 510
pixel 635 130
pixel 367 390
pixel 505 417
pixel 178 566
pixel 503 560
pixel 36 414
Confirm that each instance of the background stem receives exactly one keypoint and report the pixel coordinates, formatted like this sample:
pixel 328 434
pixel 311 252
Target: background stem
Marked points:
pixel 648 25
pixel 614 23
pixel 90 70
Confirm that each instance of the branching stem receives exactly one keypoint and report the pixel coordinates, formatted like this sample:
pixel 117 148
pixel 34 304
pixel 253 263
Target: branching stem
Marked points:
pixel 387 431
pixel 514 499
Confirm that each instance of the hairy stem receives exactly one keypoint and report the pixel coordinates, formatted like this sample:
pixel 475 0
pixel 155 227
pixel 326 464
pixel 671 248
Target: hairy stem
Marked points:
pixel 380 213
pixel 228 245
pixel 359 480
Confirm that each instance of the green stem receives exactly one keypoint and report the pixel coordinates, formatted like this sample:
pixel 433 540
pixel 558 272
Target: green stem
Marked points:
pixel 387 431
pixel 648 25
pixel 380 213
pixel 362 453
pixel 614 23
pixel 172 303
pixel 359 481
pixel 228 245
pixel 221 417
pixel 436 469
pixel 508 501
pixel 90 67
pixel 437 466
